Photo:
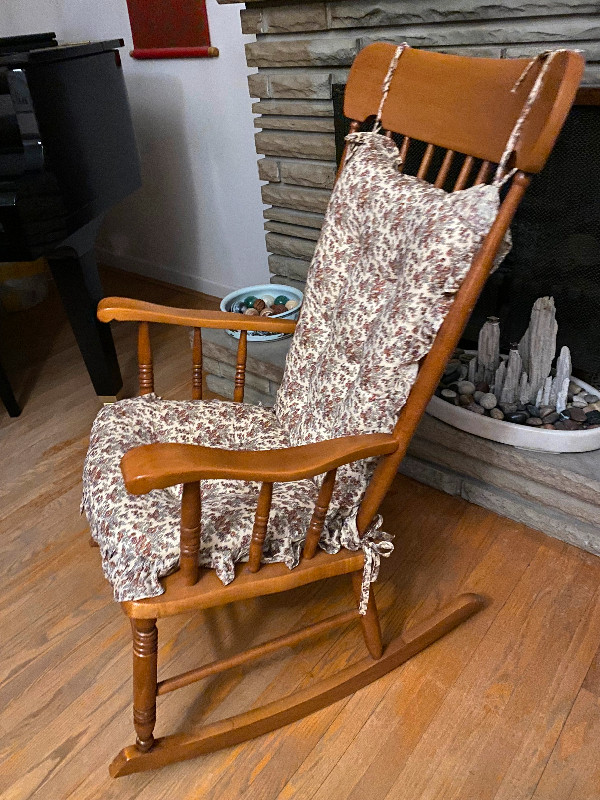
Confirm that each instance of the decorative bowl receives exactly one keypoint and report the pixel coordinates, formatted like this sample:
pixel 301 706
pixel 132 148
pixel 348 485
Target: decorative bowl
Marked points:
pixel 517 435
pixel 259 290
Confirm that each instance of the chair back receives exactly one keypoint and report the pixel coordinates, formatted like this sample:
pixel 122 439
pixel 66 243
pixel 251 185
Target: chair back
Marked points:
pixel 466 105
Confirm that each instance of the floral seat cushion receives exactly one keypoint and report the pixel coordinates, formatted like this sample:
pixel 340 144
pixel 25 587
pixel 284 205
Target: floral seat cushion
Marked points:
pixel 139 535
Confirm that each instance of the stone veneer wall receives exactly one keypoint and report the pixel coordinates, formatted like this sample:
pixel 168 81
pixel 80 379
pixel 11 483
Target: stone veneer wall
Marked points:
pixel 302 48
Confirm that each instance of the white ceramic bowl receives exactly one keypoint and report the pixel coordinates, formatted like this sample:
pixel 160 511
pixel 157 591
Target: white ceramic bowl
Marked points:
pixel 523 436
pixel 273 289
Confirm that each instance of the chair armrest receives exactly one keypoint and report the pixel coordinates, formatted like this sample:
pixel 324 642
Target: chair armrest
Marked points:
pixel 156 466
pixel 125 309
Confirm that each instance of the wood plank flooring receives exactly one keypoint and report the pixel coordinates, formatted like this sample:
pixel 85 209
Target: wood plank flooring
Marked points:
pixel 505 707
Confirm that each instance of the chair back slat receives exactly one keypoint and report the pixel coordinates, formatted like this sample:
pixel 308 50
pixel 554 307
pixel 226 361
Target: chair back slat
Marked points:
pixel 404 152
pixel 197 365
pixel 259 531
pixel 463 175
pixel 444 169
pixel 240 368
pixel 189 537
pixel 485 170
pixel 425 162
pixel 317 521
pixel 464 104
pixel 145 366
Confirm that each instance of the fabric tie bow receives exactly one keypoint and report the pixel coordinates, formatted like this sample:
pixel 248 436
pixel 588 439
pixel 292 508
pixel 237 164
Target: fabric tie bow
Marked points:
pixel 375 545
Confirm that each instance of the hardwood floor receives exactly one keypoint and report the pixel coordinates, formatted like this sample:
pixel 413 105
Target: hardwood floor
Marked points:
pixel 505 707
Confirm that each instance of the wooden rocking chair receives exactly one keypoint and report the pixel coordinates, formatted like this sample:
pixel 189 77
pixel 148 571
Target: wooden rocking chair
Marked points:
pixel 469 108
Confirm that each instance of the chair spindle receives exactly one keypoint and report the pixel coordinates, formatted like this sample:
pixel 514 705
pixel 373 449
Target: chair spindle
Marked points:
pixel 197 365
pixel 463 175
pixel 240 368
pixel 444 169
pixel 189 542
pixel 259 531
pixel 484 173
pixel 425 162
pixel 317 521
pixel 403 152
pixel 145 367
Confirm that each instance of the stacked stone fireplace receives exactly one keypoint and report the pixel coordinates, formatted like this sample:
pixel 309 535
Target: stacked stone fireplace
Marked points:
pixel 302 50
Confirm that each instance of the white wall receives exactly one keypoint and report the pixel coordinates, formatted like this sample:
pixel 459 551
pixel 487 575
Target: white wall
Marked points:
pixel 197 220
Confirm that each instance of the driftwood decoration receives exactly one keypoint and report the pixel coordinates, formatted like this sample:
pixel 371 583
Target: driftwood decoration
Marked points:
pixel 499 379
pixel 523 388
pixel 563 375
pixel 488 350
pixel 472 371
pixel 545 394
pixel 524 378
pixel 514 370
pixel 538 345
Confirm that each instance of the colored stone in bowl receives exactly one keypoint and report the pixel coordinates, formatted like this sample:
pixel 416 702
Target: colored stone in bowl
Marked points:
pixel 281 300
pixel 238 307
pixel 266 312
pixel 251 312
pixel 278 308
pixel 268 299
pixel 291 304
pixel 249 301
pixel 259 305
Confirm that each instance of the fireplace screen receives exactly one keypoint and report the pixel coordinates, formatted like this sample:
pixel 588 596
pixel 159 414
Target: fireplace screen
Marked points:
pixel 556 240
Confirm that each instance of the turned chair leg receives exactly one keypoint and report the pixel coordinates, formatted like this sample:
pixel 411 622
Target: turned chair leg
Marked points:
pixel 145 650
pixel 371 628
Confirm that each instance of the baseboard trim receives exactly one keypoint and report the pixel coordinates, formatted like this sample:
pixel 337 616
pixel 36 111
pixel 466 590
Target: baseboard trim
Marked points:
pixel 148 269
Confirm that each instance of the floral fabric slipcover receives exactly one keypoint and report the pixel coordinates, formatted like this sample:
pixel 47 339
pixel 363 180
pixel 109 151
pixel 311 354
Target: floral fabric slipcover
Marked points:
pixel 392 254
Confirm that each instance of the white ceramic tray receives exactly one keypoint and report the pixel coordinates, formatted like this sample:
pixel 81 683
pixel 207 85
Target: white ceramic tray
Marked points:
pixel 258 290
pixel 517 435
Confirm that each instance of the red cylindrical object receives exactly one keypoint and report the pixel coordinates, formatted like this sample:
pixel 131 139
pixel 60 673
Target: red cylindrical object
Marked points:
pixel 174 52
